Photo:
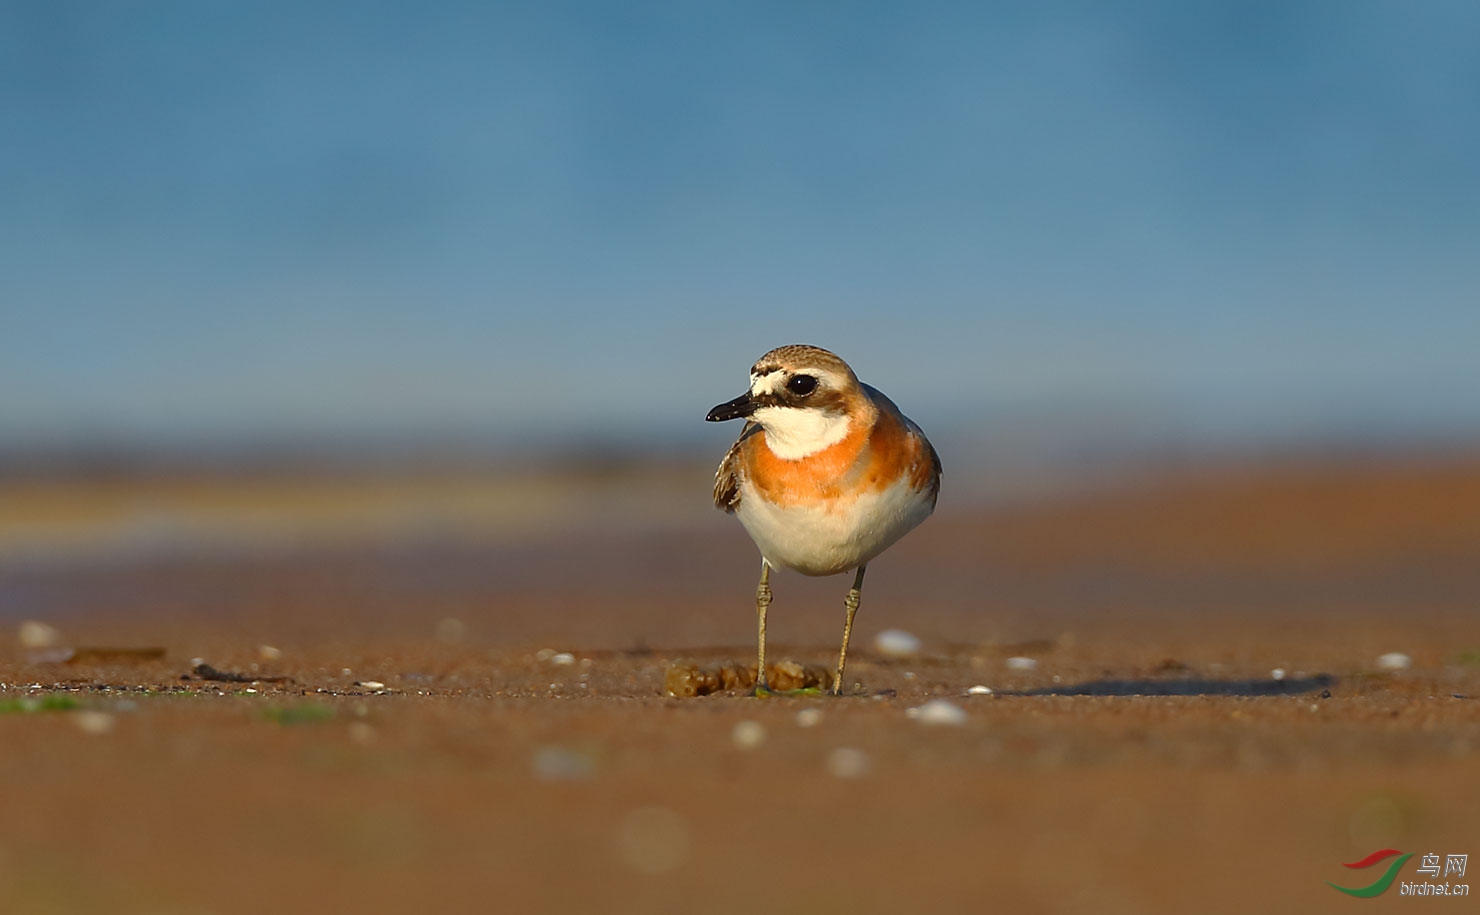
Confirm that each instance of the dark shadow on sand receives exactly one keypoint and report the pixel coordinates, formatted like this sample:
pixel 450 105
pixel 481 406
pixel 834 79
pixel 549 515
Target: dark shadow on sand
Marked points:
pixel 1286 687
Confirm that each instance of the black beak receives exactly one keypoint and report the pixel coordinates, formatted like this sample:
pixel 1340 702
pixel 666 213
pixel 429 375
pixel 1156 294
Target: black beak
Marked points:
pixel 732 409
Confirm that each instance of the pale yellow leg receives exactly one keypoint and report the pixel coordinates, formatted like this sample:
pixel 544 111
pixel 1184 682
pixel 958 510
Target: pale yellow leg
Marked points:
pixel 762 601
pixel 851 604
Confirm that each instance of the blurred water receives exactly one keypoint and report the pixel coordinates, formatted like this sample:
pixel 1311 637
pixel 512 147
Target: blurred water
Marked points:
pixel 535 225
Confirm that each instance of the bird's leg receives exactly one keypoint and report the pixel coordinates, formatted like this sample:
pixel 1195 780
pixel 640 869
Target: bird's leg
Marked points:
pixel 762 601
pixel 851 603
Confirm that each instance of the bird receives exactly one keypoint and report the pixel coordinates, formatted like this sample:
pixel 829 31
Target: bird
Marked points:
pixel 827 474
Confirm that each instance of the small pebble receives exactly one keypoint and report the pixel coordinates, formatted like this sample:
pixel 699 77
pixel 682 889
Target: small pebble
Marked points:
pixel 653 840
pixel 34 634
pixel 939 711
pixel 269 652
pixel 50 655
pixel 562 659
pixel 371 684
pixel 847 762
pixel 93 722
pixel 896 643
pixel 979 690
pixel 1395 660
pixel 748 735
pixel 557 764
pixel 1021 664
pixel 544 654
pixel 808 717
pixel 1277 674
pixel 909 675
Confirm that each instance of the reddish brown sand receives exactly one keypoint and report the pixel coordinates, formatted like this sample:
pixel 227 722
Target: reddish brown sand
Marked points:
pixel 488 777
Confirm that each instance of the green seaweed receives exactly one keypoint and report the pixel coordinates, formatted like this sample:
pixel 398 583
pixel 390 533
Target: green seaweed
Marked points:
pixel 50 702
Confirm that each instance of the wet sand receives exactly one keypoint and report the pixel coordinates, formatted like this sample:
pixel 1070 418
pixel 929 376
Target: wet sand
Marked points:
pixel 1206 725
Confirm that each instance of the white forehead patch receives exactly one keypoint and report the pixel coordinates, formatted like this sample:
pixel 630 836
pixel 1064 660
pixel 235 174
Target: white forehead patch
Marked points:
pixel 767 383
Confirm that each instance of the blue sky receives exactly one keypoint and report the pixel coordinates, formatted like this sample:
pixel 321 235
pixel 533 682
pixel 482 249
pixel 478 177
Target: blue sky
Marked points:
pixel 504 221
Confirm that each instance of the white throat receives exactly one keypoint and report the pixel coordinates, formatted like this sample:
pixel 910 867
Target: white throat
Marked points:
pixel 793 433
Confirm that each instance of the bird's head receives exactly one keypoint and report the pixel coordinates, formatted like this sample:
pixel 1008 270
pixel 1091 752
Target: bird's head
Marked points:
pixel 804 397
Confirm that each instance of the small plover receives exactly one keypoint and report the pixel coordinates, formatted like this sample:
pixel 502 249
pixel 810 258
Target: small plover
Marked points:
pixel 826 475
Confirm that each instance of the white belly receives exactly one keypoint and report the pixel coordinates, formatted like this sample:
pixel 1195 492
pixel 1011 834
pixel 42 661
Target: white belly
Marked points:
pixel 815 541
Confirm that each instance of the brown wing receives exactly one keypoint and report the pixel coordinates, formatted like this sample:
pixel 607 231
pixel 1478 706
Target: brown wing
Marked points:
pixel 935 470
pixel 727 477
pixel 926 474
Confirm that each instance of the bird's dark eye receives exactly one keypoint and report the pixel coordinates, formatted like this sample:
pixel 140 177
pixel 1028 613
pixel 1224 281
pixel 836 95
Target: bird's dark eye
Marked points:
pixel 801 385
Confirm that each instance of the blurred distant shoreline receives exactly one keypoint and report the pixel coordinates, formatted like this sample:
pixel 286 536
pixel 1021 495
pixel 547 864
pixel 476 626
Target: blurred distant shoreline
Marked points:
pixel 85 506
pixel 1084 442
